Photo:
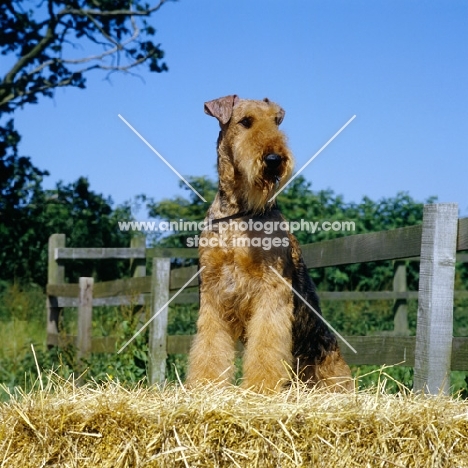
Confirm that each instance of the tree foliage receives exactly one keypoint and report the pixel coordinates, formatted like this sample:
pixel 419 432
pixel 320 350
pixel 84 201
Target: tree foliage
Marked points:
pixel 44 38
pixel 29 215
pixel 20 184
pixel 50 44
pixel 85 217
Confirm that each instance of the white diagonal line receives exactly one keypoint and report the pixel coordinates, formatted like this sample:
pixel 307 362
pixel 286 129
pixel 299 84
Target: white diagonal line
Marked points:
pixel 162 159
pixel 313 310
pixel 160 310
pixel 312 158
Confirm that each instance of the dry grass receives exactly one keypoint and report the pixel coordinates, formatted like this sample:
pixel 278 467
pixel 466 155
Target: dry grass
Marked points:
pixel 62 425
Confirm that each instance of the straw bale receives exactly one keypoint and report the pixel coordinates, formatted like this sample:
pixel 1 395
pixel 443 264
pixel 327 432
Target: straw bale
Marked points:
pixel 110 426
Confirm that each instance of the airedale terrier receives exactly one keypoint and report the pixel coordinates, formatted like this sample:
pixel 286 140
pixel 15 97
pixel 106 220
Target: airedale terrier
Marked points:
pixel 246 242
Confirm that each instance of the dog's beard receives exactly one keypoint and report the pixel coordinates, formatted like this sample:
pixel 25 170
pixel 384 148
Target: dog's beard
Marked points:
pixel 259 183
pixel 259 191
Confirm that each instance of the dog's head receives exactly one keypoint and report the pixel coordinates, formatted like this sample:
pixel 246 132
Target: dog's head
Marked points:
pixel 253 157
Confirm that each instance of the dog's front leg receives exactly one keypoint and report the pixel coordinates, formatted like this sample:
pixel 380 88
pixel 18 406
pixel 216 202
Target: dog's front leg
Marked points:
pixel 213 350
pixel 269 339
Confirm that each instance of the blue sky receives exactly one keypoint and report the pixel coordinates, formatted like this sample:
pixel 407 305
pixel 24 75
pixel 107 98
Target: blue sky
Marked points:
pixel 400 66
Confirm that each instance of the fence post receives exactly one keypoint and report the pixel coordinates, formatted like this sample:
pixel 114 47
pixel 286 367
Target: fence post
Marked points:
pixel 158 327
pixel 138 270
pixel 85 318
pixel 55 275
pixel 400 307
pixel 435 304
pixel 138 265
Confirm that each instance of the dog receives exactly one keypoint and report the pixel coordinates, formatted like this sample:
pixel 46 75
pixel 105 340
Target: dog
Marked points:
pixel 251 279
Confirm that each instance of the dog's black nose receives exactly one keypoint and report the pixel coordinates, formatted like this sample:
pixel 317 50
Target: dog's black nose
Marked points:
pixel 272 161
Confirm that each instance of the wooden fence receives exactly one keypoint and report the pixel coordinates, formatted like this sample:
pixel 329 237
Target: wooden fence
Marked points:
pixel 433 351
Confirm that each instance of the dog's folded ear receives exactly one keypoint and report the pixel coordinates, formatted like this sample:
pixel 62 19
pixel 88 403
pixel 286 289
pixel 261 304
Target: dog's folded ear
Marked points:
pixel 280 115
pixel 221 108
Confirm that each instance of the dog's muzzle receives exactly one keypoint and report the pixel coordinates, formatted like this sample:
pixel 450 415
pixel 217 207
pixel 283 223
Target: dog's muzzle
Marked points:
pixel 272 162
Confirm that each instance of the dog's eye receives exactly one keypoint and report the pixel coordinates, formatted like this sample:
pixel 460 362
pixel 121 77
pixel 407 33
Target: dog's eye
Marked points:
pixel 246 122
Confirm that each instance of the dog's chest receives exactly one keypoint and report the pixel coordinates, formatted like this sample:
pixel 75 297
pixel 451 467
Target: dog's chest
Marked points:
pixel 238 262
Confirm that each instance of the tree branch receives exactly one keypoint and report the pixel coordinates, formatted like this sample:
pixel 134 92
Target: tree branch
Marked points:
pixel 118 47
pixel 83 12
pixel 43 67
pixel 35 51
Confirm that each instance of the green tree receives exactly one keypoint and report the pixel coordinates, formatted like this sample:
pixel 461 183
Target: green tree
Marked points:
pixel 20 184
pixel 88 219
pixel 85 217
pixel 43 38
pixel 188 209
pixel 40 41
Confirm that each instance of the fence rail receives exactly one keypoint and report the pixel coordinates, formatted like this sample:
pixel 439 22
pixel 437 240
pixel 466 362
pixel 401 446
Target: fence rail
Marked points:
pixel 440 228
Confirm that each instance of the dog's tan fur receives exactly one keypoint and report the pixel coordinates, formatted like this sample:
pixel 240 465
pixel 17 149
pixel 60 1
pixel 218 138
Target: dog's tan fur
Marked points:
pixel 241 297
